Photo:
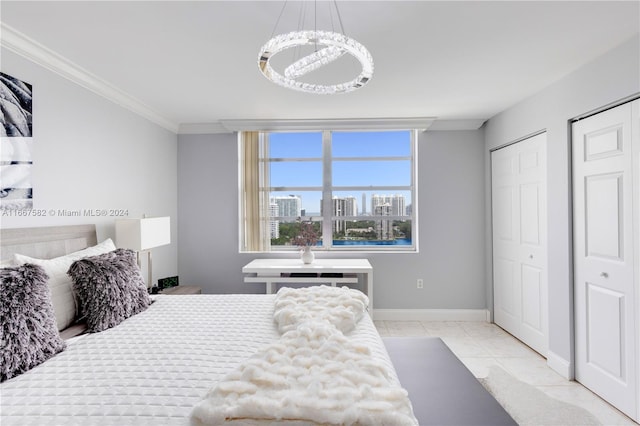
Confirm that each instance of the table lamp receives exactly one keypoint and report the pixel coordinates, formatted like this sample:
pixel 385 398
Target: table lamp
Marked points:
pixel 142 235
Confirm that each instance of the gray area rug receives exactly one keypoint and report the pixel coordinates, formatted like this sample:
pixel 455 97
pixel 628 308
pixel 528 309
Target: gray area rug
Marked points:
pixel 530 406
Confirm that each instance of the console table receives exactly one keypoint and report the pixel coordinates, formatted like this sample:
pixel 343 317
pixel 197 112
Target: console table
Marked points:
pixel 320 271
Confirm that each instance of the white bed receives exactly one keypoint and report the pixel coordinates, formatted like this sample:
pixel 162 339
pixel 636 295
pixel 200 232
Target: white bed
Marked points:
pixel 154 367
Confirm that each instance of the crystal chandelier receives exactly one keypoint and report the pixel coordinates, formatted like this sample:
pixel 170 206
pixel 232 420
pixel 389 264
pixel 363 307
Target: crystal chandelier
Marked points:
pixel 329 47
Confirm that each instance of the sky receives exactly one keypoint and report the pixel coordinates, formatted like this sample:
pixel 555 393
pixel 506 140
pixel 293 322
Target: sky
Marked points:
pixel 345 173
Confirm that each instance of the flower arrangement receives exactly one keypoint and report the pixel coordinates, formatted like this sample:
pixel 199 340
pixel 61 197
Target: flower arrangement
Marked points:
pixel 307 237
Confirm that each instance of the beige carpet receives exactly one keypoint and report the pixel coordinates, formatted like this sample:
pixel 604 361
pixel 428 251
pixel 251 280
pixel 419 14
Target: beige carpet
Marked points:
pixel 530 406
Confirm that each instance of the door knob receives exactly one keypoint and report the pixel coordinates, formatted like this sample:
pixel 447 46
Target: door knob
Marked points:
pixel 604 275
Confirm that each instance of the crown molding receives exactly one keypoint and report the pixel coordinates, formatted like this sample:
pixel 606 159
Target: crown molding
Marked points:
pixel 420 123
pixel 457 124
pixel 30 49
pixel 202 128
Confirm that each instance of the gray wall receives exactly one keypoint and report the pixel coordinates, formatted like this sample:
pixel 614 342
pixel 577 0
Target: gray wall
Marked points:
pixel 451 224
pixel 608 79
pixel 90 153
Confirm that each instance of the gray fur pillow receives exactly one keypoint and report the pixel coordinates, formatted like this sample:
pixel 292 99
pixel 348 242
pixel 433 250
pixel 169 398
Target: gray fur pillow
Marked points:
pixel 110 288
pixel 29 332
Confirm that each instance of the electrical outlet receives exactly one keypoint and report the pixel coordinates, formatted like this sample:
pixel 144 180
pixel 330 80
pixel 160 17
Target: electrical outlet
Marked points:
pixel 420 283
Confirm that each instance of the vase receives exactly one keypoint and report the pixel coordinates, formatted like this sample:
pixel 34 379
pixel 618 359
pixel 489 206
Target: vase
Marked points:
pixel 307 255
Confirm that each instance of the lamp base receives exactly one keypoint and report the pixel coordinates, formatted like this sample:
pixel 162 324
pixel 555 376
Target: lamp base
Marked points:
pixel 149 267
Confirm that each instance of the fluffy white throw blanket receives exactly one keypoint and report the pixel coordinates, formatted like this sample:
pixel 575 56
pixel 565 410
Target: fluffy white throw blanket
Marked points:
pixel 341 306
pixel 312 375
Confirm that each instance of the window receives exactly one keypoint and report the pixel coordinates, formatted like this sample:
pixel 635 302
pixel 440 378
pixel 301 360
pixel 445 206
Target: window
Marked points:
pixel 357 188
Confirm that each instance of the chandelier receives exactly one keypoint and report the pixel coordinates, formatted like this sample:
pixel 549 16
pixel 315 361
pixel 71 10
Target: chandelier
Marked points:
pixel 329 46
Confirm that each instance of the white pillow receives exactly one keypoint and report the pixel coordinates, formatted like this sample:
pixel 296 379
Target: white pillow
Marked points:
pixel 7 263
pixel 64 302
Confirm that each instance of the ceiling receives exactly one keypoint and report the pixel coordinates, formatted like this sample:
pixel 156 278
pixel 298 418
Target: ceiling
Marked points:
pixel 196 62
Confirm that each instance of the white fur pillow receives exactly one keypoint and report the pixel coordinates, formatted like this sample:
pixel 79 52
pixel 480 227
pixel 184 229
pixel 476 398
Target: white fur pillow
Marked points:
pixel 64 302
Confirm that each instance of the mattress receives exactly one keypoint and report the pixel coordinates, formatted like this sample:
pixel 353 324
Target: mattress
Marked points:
pixel 155 366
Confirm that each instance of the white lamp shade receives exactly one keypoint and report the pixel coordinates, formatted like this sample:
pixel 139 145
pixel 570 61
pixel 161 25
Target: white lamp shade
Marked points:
pixel 144 233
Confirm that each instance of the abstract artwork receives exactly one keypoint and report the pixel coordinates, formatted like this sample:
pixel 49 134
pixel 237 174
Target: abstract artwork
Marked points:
pixel 16 143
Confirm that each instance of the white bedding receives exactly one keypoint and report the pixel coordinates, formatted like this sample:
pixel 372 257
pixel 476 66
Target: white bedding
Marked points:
pixel 154 367
pixel 314 373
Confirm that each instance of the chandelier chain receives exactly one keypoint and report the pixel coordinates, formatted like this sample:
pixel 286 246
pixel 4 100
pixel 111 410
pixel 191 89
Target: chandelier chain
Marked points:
pixel 339 17
pixel 275 27
pixel 333 25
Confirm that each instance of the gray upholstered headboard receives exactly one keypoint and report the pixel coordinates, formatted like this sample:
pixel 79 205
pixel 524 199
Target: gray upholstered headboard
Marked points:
pixel 46 242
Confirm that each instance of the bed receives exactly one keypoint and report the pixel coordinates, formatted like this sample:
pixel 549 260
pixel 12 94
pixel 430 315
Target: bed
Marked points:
pixel 168 363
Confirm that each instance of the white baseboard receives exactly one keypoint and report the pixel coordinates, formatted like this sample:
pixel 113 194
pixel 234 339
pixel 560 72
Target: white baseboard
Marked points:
pixel 560 365
pixel 430 315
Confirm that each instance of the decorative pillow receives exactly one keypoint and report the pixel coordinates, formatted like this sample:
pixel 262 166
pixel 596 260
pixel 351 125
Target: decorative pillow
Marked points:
pixel 64 303
pixel 110 288
pixel 7 263
pixel 29 333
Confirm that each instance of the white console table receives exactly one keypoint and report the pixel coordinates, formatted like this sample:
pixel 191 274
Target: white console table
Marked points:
pixel 320 271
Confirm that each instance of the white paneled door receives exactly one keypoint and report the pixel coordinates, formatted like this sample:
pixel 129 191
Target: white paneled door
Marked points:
pixel 518 185
pixel 605 148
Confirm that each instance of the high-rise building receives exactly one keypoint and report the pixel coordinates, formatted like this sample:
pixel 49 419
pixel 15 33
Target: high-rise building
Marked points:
pixel 364 204
pixel 289 207
pixel 285 209
pixel 343 206
pixel 384 228
pixel 274 224
pixel 397 203
pixel 387 205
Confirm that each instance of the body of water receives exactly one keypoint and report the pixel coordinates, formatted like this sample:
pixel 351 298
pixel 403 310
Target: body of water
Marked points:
pixel 396 242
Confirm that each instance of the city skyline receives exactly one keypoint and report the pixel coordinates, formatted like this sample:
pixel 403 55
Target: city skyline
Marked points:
pixel 346 172
pixel 379 226
pixel 291 205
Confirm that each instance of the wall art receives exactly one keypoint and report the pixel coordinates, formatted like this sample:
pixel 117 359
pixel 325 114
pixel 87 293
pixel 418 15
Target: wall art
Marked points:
pixel 16 143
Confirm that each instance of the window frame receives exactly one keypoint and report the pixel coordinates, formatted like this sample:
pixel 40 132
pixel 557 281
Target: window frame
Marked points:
pixel 327 190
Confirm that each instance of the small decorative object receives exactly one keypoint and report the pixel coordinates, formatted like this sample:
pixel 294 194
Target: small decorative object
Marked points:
pixel 168 282
pixel 307 255
pixel 307 238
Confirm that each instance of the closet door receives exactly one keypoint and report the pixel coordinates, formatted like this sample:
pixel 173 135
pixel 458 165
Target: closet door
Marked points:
pixel 518 184
pixel 606 326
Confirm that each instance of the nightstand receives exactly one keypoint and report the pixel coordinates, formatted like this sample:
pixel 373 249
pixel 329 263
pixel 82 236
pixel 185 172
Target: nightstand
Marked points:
pixel 182 289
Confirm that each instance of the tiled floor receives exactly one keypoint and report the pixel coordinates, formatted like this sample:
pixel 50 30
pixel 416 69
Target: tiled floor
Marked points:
pixel 480 345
